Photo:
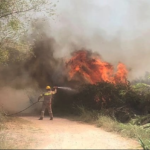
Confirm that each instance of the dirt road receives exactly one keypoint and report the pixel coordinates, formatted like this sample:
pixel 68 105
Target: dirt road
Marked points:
pixel 66 134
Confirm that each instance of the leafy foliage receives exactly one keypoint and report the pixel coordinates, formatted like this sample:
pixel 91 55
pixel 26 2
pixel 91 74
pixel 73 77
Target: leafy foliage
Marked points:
pixel 105 95
pixel 121 102
pixel 145 147
pixel 16 15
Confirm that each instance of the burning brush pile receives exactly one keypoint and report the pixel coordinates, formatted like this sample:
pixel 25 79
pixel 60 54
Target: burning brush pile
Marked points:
pixel 99 84
pixel 102 87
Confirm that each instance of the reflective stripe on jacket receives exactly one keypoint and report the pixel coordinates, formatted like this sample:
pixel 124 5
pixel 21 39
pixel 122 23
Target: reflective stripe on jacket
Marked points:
pixel 47 97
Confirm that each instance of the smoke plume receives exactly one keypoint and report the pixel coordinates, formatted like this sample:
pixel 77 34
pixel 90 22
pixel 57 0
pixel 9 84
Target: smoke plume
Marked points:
pixel 117 30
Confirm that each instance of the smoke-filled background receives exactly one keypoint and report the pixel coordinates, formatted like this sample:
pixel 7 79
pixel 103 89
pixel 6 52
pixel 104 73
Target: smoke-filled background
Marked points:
pixel 117 30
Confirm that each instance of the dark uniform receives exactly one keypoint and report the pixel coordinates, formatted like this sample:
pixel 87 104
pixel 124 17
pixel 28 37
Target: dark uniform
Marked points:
pixel 47 103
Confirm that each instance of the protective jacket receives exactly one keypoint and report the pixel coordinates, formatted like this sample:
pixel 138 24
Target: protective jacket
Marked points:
pixel 47 96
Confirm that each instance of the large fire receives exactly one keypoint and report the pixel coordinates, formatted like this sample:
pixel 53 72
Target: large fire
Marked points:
pixel 94 70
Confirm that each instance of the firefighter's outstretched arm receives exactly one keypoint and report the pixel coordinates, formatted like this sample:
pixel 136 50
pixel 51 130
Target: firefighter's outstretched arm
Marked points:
pixel 55 91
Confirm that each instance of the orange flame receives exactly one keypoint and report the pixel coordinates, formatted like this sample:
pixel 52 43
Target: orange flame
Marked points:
pixel 94 70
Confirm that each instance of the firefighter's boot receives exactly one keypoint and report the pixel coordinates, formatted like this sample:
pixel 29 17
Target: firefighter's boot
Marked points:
pixel 42 115
pixel 41 118
pixel 51 116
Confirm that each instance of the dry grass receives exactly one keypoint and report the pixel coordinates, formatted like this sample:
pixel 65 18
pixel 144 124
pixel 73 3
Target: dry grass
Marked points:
pixel 111 125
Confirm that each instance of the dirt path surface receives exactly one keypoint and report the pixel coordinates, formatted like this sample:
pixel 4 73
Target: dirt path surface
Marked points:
pixel 66 134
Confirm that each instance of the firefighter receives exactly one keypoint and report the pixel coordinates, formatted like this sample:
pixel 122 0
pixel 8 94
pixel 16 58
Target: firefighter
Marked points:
pixel 47 103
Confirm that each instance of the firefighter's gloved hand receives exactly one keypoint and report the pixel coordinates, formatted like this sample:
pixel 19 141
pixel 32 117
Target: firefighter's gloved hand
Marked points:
pixel 55 87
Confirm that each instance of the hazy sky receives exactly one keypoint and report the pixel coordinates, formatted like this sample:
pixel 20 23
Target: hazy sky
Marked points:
pixel 117 29
pixel 131 18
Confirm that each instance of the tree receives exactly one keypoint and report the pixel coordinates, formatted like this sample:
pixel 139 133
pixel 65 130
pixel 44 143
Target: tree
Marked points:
pixel 15 16
pixel 15 19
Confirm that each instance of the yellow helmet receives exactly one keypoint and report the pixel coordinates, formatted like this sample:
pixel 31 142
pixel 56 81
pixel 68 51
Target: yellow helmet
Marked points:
pixel 48 88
